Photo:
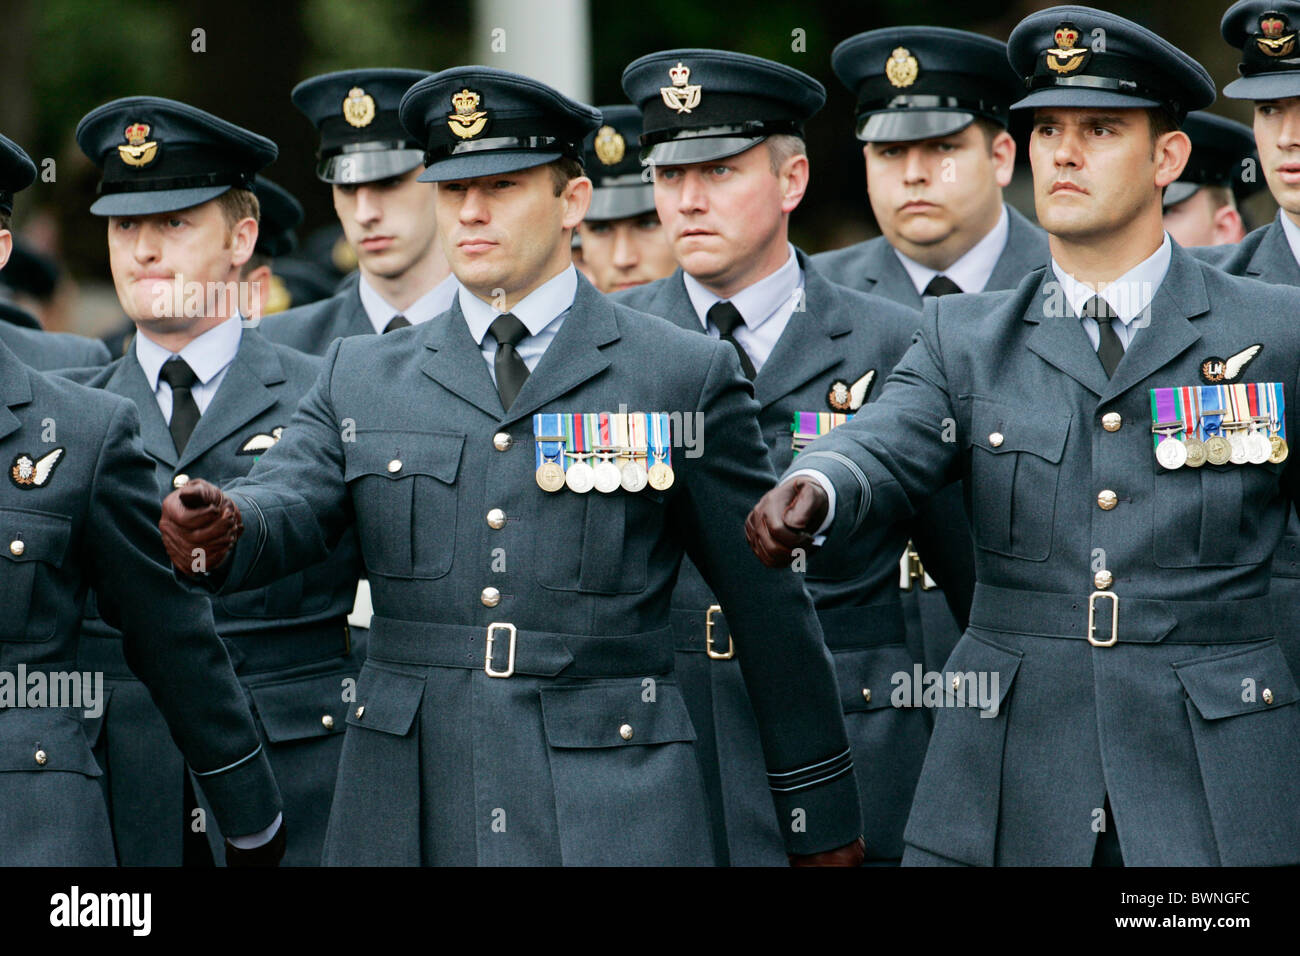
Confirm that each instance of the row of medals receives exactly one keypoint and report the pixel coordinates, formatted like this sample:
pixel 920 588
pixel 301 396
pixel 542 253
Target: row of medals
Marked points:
pixel 1239 447
pixel 606 476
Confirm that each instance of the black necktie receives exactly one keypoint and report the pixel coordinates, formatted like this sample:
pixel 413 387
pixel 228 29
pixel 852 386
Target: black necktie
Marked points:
pixel 726 319
pixel 398 321
pixel 941 285
pixel 510 368
pixel 1109 347
pixel 185 411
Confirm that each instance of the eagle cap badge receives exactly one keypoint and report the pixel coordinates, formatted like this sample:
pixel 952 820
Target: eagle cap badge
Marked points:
pixel 1066 57
pixel 610 146
pixel 1274 40
pixel 901 68
pixel 467 121
pixel 137 151
pixel 358 108
pixel 682 96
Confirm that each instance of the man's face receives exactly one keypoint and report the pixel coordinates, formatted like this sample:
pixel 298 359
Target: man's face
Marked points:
pixel 151 255
pixel 390 222
pixel 507 233
pixel 722 216
pixel 934 191
pixel 1202 219
pixel 622 253
pixel 1095 170
pixel 1277 137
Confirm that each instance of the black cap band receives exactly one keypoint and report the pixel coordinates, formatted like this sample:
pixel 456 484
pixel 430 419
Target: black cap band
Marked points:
pixel 1118 74
pixel 935 101
pixel 197 181
pixel 747 129
pixel 338 135
pixel 497 143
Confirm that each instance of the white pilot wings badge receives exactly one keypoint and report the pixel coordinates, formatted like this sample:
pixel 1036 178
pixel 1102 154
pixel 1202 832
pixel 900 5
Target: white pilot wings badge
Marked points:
pixel 261 442
pixel 844 397
pixel 27 472
pixel 1215 370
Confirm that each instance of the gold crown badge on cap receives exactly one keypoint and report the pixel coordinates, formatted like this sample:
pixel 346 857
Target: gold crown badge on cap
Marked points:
pixel 610 146
pixel 136 151
pixel 1065 57
pixel 358 107
pixel 468 120
pixel 682 96
pixel 1274 40
pixel 901 68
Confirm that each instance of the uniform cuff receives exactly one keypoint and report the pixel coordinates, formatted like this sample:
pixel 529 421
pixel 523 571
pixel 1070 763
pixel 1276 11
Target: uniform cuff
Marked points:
pixel 817 806
pixel 244 796
pixel 819 537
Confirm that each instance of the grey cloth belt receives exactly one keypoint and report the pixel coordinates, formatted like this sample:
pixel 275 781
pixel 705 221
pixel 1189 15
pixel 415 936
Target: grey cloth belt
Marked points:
pixel 1140 620
pixel 251 653
pixel 537 653
pixel 844 628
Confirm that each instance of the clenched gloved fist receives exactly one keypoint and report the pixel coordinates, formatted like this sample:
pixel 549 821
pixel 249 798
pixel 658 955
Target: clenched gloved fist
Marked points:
pixel 199 526
pixel 851 854
pixel 785 518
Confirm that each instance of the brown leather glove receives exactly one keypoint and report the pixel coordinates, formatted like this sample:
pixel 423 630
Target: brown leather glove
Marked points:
pixel 786 518
pixel 268 854
pixel 851 854
pixel 199 517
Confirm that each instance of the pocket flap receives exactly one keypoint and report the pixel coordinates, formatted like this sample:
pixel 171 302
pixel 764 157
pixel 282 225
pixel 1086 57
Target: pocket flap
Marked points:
pixel 387 701
pixel 296 709
pixel 34 536
pixel 1000 429
pixel 978 672
pixel 868 676
pixel 54 736
pixel 614 714
pixel 398 455
pixel 1239 682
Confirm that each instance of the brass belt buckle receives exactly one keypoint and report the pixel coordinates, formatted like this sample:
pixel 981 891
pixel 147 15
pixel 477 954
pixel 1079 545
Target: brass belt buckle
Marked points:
pixel 510 657
pixel 1092 618
pixel 708 637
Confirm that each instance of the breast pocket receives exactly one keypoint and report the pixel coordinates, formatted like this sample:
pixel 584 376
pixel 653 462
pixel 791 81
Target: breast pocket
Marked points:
pixel 609 556
pixel 1215 514
pixel 31 543
pixel 1015 467
pixel 403 486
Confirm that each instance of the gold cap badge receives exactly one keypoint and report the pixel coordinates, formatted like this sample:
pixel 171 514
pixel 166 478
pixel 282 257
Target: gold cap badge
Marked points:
pixel 610 146
pixel 1275 41
pixel 1065 57
pixel 468 120
pixel 901 68
pixel 359 107
pixel 681 96
pixel 138 152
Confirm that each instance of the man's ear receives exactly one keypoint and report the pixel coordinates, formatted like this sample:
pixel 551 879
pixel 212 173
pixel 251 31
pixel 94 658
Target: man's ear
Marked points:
pixel 243 241
pixel 577 200
pixel 793 176
pixel 1172 150
pixel 1228 226
pixel 6 246
pixel 1003 151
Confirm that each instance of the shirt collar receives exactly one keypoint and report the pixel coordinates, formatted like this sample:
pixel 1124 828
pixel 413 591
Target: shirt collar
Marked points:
pixel 756 303
pixel 206 355
pixel 1292 233
pixel 536 310
pixel 432 303
pixel 1130 294
pixel 971 272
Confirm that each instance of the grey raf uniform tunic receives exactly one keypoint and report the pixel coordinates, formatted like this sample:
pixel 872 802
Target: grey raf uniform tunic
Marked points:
pixel 1190 723
pixel 289 641
pixel 839 334
pixel 586 754
pixel 91 520
pixel 312 327
pixel 1266 255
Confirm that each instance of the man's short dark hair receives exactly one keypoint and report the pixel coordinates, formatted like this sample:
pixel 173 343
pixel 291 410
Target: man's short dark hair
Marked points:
pixel 563 170
pixel 5 219
pixel 1162 121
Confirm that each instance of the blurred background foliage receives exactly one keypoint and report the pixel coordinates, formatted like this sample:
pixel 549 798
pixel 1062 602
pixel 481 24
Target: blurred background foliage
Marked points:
pixel 65 57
